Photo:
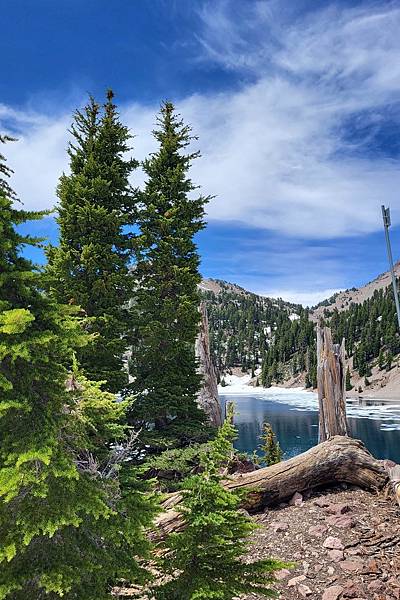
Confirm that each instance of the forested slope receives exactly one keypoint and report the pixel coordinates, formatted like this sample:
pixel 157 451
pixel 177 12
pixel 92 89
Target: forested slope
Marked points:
pixel 251 332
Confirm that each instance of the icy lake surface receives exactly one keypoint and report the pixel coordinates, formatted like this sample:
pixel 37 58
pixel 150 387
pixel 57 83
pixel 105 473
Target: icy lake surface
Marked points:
pixel 293 415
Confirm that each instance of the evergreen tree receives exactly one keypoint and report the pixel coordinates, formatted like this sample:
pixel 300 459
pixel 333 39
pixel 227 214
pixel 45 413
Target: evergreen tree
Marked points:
pixel 307 382
pixel 89 268
pixel 67 526
pixel 381 359
pixel 389 360
pixel 270 447
pixel 167 273
pixel 348 379
pixel 205 559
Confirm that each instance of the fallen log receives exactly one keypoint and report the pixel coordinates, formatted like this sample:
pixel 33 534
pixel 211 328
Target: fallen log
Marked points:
pixel 338 460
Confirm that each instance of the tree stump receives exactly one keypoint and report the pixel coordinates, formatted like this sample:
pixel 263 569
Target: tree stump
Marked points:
pixel 331 378
pixel 207 398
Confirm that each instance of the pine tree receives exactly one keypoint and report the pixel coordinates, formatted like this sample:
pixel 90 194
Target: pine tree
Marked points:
pixel 348 379
pixel 67 526
pixel 208 553
pixel 167 275
pixel 307 382
pixel 90 266
pixel 270 447
pixel 381 359
pixel 389 360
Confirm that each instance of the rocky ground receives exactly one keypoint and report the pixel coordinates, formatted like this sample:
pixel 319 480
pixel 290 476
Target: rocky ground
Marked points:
pixel 346 544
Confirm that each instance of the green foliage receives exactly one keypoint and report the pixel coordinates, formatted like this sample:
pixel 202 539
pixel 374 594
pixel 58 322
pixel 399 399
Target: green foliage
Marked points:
pixel 242 325
pixel 206 560
pixel 389 360
pixel 246 329
pixel 89 268
pixel 167 318
pixel 370 329
pixel 270 447
pixel 72 516
pixel 381 359
pixel 348 380
pixel 171 467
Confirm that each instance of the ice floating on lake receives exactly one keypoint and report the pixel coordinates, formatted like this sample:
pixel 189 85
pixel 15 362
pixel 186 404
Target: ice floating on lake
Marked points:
pixel 301 400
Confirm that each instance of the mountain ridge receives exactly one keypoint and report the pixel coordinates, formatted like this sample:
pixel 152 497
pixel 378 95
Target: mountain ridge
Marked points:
pixel 275 339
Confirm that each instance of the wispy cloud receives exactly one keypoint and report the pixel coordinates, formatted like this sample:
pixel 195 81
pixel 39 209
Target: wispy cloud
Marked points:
pixel 292 148
pixel 278 153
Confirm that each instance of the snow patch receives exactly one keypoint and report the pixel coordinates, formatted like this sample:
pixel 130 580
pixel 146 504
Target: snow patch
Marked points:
pixel 302 400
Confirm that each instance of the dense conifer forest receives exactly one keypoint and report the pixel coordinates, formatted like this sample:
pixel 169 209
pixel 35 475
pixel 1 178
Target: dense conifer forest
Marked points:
pixel 99 384
pixel 276 341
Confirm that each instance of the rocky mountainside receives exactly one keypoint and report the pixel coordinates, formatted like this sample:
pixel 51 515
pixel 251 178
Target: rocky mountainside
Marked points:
pixel 343 300
pixel 275 340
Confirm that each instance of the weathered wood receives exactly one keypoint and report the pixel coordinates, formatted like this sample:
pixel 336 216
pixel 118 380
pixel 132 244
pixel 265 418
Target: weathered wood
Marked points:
pixel 394 478
pixel 331 378
pixel 208 396
pixel 338 460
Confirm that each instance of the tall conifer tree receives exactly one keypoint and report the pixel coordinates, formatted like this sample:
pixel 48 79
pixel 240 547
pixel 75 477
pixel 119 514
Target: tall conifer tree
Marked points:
pixel 67 526
pixel 167 275
pixel 89 267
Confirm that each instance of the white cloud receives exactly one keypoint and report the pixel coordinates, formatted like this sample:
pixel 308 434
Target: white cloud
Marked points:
pixel 299 297
pixel 275 152
pixel 38 157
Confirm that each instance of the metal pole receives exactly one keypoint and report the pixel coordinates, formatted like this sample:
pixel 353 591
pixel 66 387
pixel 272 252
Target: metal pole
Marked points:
pixel 386 224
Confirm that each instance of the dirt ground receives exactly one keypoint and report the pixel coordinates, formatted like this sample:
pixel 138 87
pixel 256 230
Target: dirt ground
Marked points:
pixel 345 542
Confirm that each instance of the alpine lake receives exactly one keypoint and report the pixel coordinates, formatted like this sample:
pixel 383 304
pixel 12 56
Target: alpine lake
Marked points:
pixel 293 415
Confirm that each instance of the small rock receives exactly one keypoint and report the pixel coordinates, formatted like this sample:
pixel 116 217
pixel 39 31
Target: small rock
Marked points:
pixel 336 555
pixel 353 590
pixel 331 571
pixel 306 567
pixel 376 586
pixel 394 582
pixel 332 593
pixel 279 526
pixel 282 574
pixel 317 530
pixel 296 580
pixel 317 568
pixel 342 521
pixel 296 499
pixel 338 509
pixel 371 567
pixel 333 543
pixel 354 551
pixel 304 590
pixel 351 566
pixel 321 502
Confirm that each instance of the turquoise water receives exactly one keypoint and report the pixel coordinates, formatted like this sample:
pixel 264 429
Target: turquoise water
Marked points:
pixel 294 419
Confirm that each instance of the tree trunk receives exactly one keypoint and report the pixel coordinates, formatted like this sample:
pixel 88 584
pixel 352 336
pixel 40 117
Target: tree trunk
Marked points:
pixel 340 459
pixel 207 399
pixel 331 377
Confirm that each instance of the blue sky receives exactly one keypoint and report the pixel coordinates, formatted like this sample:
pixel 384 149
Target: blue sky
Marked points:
pixel 296 105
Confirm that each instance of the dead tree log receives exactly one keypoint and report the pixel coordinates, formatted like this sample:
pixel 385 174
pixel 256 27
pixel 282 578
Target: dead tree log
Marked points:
pixel 393 471
pixel 207 398
pixel 338 460
pixel 331 378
